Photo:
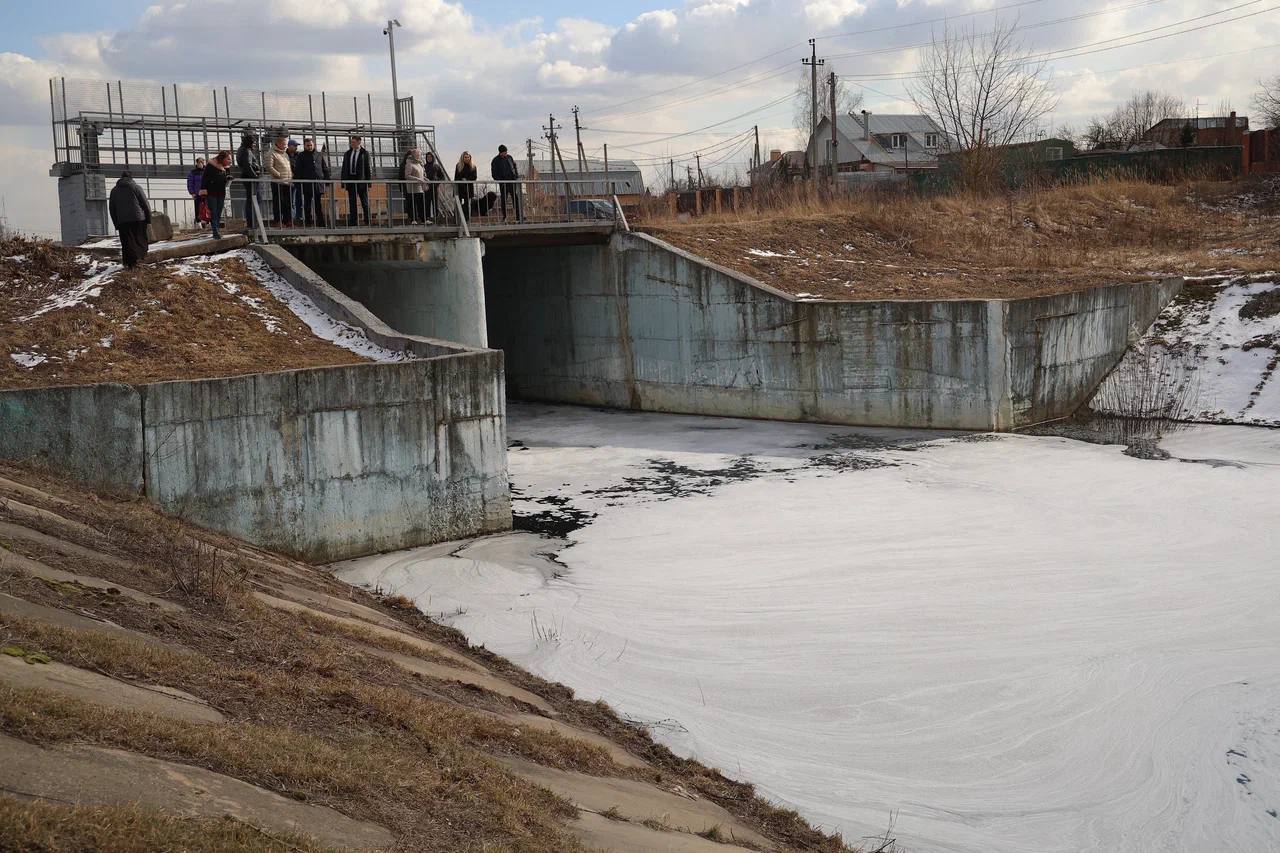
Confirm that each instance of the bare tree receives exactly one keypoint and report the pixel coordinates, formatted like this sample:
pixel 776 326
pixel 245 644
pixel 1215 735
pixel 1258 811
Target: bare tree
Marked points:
pixel 846 100
pixel 984 89
pixel 1128 122
pixel 1267 102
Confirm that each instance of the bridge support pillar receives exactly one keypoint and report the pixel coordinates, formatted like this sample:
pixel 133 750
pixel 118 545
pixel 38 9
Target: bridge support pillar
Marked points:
pixel 82 207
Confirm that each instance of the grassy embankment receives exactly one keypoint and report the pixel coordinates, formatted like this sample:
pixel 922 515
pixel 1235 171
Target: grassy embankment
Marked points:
pixel 895 245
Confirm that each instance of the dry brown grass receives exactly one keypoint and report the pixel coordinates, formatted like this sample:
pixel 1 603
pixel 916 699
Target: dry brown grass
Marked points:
pixel 429 801
pixel 965 245
pixel 159 324
pixel 277 676
pixel 38 827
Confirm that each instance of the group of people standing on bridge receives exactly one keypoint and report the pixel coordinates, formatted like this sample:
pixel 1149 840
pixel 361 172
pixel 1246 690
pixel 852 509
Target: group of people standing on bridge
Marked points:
pixel 298 180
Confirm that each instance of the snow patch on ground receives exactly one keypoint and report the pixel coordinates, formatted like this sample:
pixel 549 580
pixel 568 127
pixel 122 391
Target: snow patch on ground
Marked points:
pixel 206 266
pixel 114 243
pixel 28 359
pixel 1016 643
pixel 321 324
pixel 1224 347
pixel 80 292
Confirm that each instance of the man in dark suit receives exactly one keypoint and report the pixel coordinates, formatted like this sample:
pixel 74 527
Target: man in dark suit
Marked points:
pixel 356 167
pixel 503 169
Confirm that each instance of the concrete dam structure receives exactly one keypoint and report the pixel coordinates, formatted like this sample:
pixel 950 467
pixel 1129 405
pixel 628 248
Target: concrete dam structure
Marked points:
pixel 625 320
pixel 330 463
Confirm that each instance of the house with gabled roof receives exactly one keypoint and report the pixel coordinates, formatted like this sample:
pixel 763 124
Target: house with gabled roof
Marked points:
pixel 869 142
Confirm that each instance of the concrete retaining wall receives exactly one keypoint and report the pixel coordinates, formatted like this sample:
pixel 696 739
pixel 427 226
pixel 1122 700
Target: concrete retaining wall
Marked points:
pixel 91 432
pixel 429 288
pixel 333 463
pixel 324 463
pixel 640 324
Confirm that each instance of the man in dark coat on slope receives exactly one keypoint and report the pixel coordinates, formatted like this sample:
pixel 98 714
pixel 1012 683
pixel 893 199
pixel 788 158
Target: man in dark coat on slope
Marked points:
pixel 131 215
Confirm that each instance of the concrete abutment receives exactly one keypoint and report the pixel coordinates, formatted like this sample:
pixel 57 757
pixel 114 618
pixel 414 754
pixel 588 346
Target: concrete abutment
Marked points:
pixel 431 288
pixel 640 324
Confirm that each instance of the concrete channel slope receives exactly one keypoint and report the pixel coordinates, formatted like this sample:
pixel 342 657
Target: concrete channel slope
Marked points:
pixel 155 677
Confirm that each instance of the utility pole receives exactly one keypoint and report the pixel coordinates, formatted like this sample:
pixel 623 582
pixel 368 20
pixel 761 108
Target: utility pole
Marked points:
pixel 672 164
pixel 577 135
pixel 813 62
pixel 390 33
pixel 757 130
pixel 528 153
pixel 698 158
pixel 549 133
pixel 689 171
pixel 835 160
pixel 553 138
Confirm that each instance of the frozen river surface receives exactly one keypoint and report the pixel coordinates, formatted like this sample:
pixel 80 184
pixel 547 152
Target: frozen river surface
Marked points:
pixel 1014 643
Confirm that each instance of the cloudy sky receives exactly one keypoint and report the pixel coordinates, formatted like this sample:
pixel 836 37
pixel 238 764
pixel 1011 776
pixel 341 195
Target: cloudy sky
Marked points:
pixel 651 80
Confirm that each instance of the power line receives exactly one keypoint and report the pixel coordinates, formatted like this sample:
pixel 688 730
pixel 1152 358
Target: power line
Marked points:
pixel 785 69
pixel 1093 47
pixel 791 47
pixel 688 155
pixel 1066 53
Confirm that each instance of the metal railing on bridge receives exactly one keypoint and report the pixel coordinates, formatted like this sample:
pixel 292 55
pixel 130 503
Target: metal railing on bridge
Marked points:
pixel 311 207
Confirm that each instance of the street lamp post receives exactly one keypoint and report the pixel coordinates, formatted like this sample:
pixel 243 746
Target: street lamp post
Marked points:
pixel 390 33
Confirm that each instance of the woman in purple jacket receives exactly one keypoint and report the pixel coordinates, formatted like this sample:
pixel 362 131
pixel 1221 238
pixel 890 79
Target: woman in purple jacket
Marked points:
pixel 194 180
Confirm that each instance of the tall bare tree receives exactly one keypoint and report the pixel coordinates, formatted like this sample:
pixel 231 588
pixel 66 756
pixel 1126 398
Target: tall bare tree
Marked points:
pixel 1127 123
pixel 1267 102
pixel 847 100
pixel 984 89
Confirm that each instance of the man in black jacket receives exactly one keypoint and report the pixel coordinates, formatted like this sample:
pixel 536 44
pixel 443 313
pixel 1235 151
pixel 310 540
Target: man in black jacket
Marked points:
pixel 312 166
pixel 504 170
pixel 131 215
pixel 250 170
pixel 356 167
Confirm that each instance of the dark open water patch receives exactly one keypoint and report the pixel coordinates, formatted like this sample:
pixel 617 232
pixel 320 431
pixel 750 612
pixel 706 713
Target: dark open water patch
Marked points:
pixel 557 520
pixel 673 480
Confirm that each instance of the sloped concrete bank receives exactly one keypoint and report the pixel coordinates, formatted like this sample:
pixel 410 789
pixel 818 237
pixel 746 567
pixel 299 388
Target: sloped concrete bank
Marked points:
pixel 323 463
pixel 640 324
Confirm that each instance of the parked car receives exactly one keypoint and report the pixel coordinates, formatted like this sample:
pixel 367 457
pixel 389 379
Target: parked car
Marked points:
pixel 591 208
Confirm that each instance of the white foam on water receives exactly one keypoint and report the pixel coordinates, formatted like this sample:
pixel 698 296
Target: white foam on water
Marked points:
pixel 1016 644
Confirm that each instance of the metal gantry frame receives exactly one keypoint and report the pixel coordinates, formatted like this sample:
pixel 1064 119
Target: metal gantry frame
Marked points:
pixel 157 131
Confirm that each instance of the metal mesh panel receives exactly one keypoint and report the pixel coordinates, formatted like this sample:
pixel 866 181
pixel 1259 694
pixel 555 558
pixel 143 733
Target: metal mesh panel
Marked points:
pixel 71 97
pixel 161 127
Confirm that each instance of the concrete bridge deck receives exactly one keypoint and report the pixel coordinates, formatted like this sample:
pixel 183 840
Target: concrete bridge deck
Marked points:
pixel 526 233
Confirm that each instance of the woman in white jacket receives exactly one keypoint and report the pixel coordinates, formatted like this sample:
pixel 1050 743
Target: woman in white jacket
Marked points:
pixel 281 172
pixel 415 187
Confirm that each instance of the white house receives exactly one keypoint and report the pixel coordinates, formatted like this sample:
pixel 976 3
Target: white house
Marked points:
pixel 879 143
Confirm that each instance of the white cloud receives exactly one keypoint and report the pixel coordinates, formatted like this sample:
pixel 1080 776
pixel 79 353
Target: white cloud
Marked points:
pixel 828 13
pixel 562 74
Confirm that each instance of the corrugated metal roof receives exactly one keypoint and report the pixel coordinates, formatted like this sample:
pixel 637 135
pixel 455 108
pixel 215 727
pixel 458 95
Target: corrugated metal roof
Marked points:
pixel 888 123
pixel 592 167
pixel 914 155
pixel 624 177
